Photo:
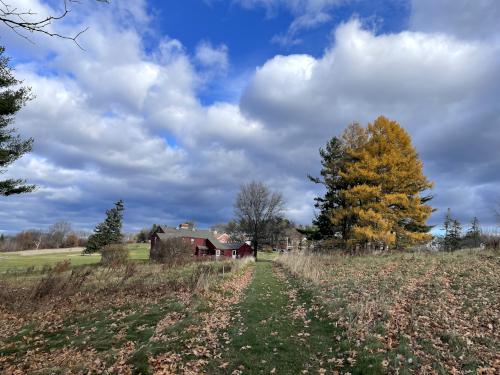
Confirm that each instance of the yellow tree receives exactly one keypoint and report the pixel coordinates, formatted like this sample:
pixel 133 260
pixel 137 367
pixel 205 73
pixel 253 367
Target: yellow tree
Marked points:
pixel 384 188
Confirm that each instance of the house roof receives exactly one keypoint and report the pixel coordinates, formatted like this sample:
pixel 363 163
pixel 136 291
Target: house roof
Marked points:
pixel 228 246
pixel 173 232
pixel 189 233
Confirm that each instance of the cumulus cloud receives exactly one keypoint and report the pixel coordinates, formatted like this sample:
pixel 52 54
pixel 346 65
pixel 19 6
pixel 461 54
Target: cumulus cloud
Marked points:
pixel 465 19
pixel 212 57
pixel 120 120
pixel 438 86
pixel 115 121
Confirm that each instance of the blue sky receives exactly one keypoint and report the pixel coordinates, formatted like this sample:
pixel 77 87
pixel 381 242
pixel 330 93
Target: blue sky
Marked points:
pixel 249 33
pixel 172 105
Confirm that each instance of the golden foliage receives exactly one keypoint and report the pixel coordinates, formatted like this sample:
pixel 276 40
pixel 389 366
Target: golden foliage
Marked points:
pixel 384 180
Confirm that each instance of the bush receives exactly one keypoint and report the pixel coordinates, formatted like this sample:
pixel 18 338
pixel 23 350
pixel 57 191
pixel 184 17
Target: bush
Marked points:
pixel 492 243
pixel 171 251
pixel 72 240
pixel 53 282
pixel 114 255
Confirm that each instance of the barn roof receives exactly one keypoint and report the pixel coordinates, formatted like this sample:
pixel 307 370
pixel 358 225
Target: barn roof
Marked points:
pixel 228 246
pixel 173 232
pixel 205 234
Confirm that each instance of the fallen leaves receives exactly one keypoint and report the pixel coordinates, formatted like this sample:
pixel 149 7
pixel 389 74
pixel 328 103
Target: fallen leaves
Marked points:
pixel 442 308
pixel 205 342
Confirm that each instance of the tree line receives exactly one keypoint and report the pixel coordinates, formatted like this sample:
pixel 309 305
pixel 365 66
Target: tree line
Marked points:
pixel 456 237
pixel 58 235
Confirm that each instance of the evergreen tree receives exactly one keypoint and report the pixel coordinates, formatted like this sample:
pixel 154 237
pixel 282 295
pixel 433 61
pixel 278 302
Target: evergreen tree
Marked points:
pixel 333 160
pixel 474 232
pixel 455 235
pixel 153 229
pixel 447 228
pixel 332 156
pixel 142 236
pixel 12 147
pixel 384 187
pixel 107 232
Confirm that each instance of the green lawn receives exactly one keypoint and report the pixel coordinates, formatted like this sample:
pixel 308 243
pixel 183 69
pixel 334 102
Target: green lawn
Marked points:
pixel 278 328
pixel 17 263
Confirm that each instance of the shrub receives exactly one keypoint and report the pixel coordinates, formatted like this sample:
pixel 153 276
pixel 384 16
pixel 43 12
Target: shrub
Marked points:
pixel 114 255
pixel 171 251
pixel 53 282
pixel 72 240
pixel 491 242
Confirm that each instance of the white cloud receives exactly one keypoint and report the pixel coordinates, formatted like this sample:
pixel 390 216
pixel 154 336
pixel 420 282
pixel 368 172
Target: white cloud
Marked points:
pixel 439 87
pixel 117 121
pixel 212 57
pixel 463 18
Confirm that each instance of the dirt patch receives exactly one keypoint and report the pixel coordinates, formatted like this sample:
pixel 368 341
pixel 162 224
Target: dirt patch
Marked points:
pixel 47 251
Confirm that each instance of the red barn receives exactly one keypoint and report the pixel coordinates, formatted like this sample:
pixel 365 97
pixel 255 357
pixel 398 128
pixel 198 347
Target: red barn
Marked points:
pixel 203 241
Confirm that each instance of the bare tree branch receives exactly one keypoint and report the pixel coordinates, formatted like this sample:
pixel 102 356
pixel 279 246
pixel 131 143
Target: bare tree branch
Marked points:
pixel 17 20
pixel 256 208
pixel 496 209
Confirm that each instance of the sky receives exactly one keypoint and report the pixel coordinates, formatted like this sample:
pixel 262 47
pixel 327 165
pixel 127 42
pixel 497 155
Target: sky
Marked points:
pixel 172 105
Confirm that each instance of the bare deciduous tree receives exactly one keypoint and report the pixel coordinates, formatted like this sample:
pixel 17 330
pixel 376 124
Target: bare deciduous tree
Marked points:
pixel 58 233
pixel 497 211
pixel 255 208
pixel 234 230
pixel 22 21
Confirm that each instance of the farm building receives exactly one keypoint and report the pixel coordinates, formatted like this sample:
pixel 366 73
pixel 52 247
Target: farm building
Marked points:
pixel 222 237
pixel 204 242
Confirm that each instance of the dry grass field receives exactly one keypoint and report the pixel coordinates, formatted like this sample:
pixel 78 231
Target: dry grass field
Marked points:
pixel 124 319
pixel 410 313
pixel 289 314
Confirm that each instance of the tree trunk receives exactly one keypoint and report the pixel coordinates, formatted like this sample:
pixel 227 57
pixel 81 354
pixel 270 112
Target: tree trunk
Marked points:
pixel 255 245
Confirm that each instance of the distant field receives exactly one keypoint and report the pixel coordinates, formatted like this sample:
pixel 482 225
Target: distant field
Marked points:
pixel 47 251
pixel 18 261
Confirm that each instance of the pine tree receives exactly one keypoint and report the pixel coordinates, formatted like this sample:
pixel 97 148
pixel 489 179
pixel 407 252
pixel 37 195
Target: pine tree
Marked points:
pixel 12 147
pixel 333 160
pixel 447 228
pixel 107 232
pixel 384 200
pixel 455 235
pixel 474 232
pixel 142 236
pixel 332 156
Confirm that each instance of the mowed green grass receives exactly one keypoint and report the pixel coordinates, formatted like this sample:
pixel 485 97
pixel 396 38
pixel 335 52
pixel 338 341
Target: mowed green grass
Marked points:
pixel 270 334
pixel 18 263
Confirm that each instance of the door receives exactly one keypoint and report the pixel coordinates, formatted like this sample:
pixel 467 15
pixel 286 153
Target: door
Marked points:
pixel 234 254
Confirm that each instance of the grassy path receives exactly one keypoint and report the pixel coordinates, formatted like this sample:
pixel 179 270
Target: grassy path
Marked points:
pixel 277 329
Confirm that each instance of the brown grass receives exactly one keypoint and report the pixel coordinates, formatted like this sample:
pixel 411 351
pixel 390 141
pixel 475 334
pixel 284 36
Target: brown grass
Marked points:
pixel 430 313
pixel 65 320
